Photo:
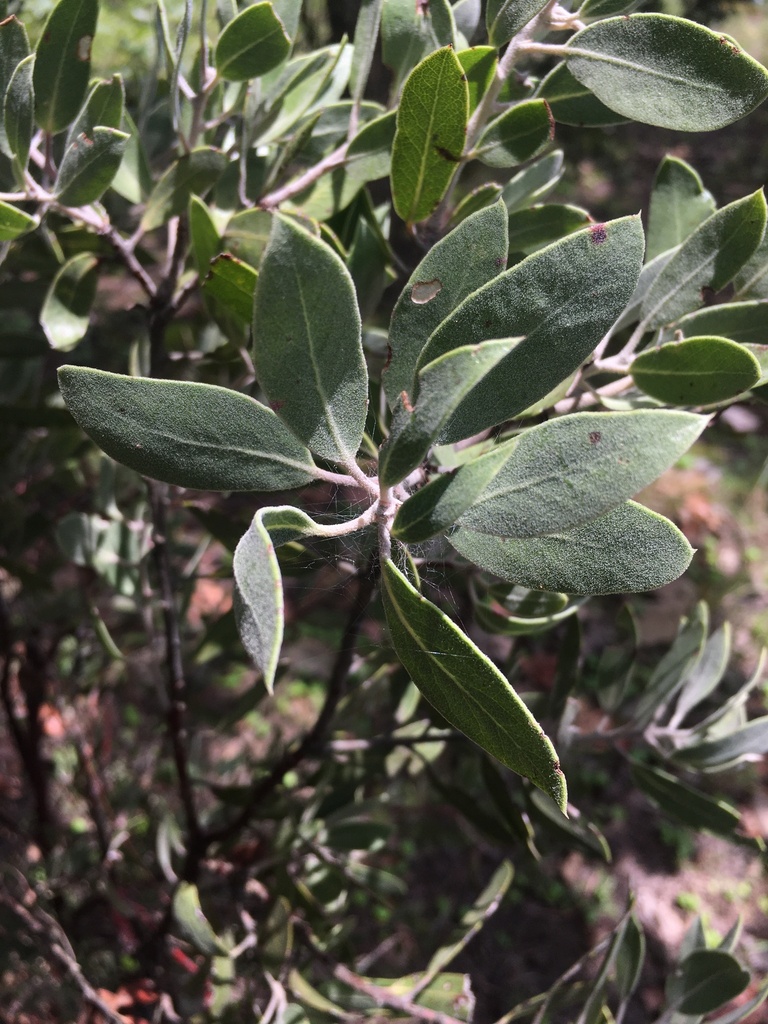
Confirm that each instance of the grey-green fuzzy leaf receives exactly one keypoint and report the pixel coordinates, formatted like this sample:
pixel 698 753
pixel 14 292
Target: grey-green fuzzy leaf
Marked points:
pixel 679 203
pixel 192 435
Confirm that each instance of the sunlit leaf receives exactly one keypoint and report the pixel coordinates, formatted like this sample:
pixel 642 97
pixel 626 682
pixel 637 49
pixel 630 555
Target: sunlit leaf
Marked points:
pixel 63 62
pixel 697 371
pixel 505 18
pixel 193 924
pixel 573 103
pixel 252 44
pixel 465 687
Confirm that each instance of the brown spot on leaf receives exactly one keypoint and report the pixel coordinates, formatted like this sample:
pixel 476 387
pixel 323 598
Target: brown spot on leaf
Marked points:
pixel 424 291
pixel 501 261
pixel 599 234
pixel 84 48
pixel 277 405
pixel 389 357
pixel 595 437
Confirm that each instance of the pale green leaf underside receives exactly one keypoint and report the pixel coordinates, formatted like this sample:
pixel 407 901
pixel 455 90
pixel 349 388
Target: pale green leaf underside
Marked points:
pixel 468 257
pixel 570 470
pixel 192 435
pixel 67 307
pixel 679 203
pixel 465 687
pixel 307 342
pixel 505 18
pixel 628 550
pixel 708 259
pixel 258 583
pixel 666 71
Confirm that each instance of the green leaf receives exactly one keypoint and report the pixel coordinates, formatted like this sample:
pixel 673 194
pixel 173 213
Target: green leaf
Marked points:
pixel 666 71
pixel 629 962
pixel 442 385
pixel 247 234
pixel 14 47
pixel 673 669
pixel 742 1012
pixel 204 235
pixel 194 172
pixel 478 199
pixel 698 371
pixel 705 674
pixel 364 45
pixel 573 469
pixel 103 108
pixel 751 282
pixel 750 741
pixel 410 33
pixel 63 62
pixel 707 260
pixel 479 64
pixel 535 182
pixel 532 229
pixel 465 687
pixel 505 18
pixel 252 44
pixel 133 180
pixel 232 282
pixel 88 166
pixel 193 924
pixel 744 322
pixel 679 204
pixel 516 135
pixel 67 307
pixel 685 803
pixel 573 103
pixel 465 259
pixel 429 140
pixel 258 583
pixel 192 435
pixel 525 612
pixel 628 550
pixel 14 222
pixel 707 979
pixel 307 342
pixel 18 115
pixel 563 299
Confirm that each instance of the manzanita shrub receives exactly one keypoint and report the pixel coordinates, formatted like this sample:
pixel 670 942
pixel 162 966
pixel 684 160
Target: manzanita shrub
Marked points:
pixel 536 370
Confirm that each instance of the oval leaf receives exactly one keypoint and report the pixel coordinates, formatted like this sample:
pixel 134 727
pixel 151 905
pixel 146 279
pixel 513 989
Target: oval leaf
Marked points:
pixel 465 687
pixel 679 203
pixel 744 322
pixel 258 584
pixel 707 979
pixel 562 299
pixel 18 115
pixel 429 139
pixel 570 470
pixel 14 47
pixel 63 62
pixel 534 183
pixel 67 308
pixel 308 351
pixel 192 435
pixel 630 549
pixel 252 44
pixel 89 164
pixel 698 371
pixel 706 261
pixel 666 71
pixel 468 257
pixel 193 924
pixel 517 135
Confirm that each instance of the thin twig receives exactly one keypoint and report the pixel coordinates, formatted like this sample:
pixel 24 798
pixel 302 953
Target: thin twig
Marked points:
pixel 293 188
pixel 385 997
pixel 125 251
pixel 176 686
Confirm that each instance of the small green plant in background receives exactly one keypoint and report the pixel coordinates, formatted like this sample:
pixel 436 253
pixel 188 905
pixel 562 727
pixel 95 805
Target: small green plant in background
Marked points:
pixel 494 421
